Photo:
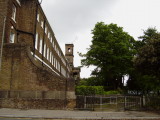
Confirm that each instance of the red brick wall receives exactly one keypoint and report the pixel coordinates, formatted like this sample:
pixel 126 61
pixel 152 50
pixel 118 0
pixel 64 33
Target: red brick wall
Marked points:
pixel 20 71
pixel 23 75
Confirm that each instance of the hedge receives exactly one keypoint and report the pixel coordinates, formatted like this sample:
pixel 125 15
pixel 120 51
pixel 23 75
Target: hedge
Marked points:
pixel 89 90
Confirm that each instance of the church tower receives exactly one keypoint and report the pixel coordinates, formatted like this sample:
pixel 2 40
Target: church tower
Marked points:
pixel 69 54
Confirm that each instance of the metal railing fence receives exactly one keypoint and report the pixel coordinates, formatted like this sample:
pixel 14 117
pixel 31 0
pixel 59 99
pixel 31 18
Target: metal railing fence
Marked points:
pixel 117 103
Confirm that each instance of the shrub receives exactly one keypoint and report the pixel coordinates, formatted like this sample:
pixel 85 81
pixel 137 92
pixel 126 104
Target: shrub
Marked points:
pixel 89 90
pixel 112 92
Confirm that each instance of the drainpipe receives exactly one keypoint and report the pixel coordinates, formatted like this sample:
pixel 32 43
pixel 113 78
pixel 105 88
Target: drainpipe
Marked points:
pixel 3 33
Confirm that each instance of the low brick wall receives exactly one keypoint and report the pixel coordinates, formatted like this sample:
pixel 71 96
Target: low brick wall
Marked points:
pixel 53 104
pixel 34 94
pixel 26 83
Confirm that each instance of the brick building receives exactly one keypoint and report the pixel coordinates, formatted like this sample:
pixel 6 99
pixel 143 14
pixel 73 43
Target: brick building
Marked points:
pixel 33 65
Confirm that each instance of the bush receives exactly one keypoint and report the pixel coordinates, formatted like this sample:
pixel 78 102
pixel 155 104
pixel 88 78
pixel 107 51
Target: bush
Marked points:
pixel 89 90
pixel 112 92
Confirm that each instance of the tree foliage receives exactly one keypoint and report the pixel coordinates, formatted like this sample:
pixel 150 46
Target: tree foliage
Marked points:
pixel 146 75
pixel 91 81
pixel 111 51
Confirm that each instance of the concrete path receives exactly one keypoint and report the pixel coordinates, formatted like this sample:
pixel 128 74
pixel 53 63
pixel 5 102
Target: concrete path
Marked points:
pixel 61 114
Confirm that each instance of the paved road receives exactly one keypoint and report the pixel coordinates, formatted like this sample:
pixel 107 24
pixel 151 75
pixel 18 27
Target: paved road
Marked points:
pixel 11 114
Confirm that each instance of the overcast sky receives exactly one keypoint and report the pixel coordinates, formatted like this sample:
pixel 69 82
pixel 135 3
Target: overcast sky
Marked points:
pixel 73 20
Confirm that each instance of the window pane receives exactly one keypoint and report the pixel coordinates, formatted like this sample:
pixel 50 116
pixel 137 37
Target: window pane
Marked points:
pixel 14 12
pixel 44 51
pixel 38 17
pixel 48 54
pixel 36 41
pixel 12 37
pixel 40 46
pixel 42 24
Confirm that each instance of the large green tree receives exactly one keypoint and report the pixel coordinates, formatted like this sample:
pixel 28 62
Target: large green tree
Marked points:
pixel 111 51
pixel 147 61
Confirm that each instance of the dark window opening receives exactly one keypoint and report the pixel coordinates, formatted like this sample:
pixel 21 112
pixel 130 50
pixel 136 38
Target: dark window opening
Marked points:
pixel 69 49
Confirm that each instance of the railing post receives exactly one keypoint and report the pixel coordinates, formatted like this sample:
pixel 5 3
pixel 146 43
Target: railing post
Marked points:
pixel 140 102
pixel 101 102
pixel 125 102
pixel 84 101
pixel 144 101
pixel 116 101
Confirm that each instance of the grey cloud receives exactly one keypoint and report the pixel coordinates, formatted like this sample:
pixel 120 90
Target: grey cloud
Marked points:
pixel 70 16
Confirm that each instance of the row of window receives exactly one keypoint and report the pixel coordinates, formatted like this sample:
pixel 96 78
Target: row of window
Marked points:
pixel 40 41
pixel 47 53
pixel 48 34
pixel 50 38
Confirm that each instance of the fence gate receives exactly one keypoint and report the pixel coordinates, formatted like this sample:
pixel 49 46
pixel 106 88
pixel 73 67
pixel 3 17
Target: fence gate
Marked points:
pixel 132 102
pixel 85 102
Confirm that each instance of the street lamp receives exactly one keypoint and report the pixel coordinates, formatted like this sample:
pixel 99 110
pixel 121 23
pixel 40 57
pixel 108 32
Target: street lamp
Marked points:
pixel 4 25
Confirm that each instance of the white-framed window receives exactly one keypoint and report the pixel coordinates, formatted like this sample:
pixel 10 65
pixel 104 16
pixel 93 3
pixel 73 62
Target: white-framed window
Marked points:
pixel 46 29
pixel 55 62
pixel 40 46
pixel 47 53
pixel 38 17
pixel 12 37
pixel 59 67
pixel 50 58
pixel 14 12
pixel 48 35
pixel 44 51
pixel 51 39
pixel 42 23
pixel 36 41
